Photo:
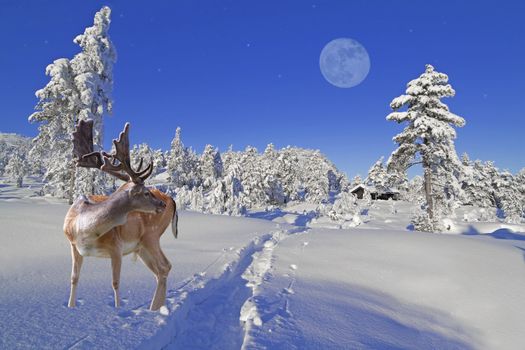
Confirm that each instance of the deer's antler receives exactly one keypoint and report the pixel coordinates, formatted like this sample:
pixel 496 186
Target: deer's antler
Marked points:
pixel 83 146
pixel 112 163
pixel 121 161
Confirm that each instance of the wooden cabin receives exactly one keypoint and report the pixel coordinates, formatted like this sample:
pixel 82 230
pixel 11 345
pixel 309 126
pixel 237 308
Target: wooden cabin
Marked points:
pixel 375 194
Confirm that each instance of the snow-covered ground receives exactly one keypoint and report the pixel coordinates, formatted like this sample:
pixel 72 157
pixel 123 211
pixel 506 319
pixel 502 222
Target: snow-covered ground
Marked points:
pixel 274 280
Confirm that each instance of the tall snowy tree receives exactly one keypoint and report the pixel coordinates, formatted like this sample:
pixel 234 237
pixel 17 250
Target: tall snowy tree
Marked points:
pixel 182 164
pixel 175 162
pixel 56 112
pixel 428 138
pixel 78 89
pixel 211 164
pixel 93 72
pixel 16 169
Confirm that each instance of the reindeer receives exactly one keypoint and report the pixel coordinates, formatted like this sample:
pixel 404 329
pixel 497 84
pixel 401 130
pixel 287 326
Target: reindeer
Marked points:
pixel 130 220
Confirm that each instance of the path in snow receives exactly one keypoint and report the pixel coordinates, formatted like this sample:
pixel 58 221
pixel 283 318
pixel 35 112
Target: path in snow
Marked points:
pixel 221 312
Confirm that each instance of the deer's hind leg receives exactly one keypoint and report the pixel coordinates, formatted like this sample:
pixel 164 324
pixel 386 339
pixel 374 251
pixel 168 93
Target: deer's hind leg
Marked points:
pixel 75 274
pixel 151 254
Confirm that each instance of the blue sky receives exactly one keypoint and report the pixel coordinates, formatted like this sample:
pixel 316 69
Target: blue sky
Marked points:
pixel 247 72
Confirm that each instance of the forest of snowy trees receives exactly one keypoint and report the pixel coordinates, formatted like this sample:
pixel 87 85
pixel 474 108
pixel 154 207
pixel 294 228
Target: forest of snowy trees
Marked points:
pixel 235 181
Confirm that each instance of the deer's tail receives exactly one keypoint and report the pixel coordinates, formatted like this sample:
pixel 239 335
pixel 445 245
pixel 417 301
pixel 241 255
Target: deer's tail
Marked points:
pixel 175 220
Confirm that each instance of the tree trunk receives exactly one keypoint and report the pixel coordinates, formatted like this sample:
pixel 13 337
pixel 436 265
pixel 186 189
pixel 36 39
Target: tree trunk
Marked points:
pixel 428 190
pixel 428 180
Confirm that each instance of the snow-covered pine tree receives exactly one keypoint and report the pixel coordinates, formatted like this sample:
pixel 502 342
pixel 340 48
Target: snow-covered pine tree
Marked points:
pixel 287 165
pixel 252 178
pixel 272 178
pixel 182 164
pixel 16 169
pixel 490 176
pixel 93 71
pixel 427 139
pixel 217 198
pixel 234 192
pixel 508 198
pixel 176 158
pixel 228 158
pixel 93 78
pixel 56 112
pixel 211 165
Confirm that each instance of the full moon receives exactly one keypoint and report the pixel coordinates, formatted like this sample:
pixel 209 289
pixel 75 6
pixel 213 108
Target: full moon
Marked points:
pixel 344 62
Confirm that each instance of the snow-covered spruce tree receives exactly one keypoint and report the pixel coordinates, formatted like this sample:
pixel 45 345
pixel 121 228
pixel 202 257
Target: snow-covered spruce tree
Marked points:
pixel 509 198
pixel 56 112
pixel 477 183
pixel 16 169
pixel 234 192
pixel 252 178
pixel 427 139
pixel 287 169
pixel 93 78
pixel 78 89
pixel 272 177
pixel 176 158
pixel 182 164
pixel 211 166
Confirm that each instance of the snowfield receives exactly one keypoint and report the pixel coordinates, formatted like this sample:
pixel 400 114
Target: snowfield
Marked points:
pixel 273 281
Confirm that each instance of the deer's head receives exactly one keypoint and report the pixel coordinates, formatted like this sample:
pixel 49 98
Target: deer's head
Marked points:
pixel 117 164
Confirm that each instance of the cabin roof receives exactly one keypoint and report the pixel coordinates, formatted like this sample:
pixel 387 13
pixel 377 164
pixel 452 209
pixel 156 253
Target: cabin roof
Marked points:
pixel 373 189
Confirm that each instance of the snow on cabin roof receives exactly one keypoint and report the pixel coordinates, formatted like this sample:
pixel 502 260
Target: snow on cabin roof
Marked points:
pixel 373 189
pixel 363 186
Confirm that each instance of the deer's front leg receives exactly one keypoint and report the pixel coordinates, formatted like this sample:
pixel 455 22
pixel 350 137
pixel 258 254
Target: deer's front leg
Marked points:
pixel 116 263
pixel 75 274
